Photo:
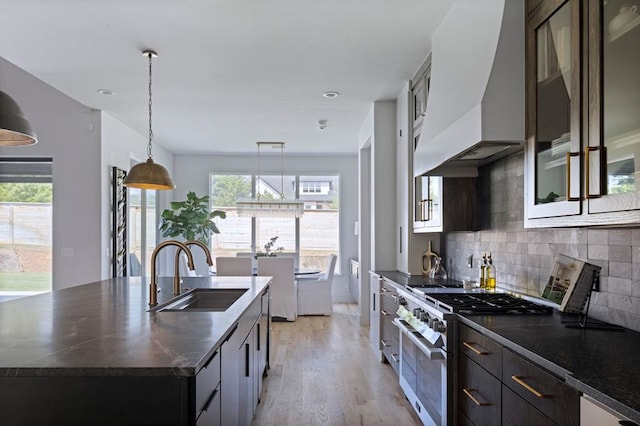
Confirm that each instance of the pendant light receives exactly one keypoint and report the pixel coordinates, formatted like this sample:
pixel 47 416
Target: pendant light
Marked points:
pixel 149 175
pixel 267 207
pixel 15 130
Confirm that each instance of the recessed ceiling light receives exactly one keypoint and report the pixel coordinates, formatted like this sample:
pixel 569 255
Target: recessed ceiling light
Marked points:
pixel 107 92
pixel 331 94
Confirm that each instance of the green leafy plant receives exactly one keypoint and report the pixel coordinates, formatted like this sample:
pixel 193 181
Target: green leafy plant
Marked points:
pixel 190 219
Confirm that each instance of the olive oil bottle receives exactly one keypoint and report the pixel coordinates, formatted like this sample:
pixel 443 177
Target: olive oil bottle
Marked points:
pixel 482 272
pixel 490 275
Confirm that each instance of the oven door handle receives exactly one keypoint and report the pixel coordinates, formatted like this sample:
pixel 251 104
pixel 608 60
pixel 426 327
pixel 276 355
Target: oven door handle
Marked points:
pixel 425 347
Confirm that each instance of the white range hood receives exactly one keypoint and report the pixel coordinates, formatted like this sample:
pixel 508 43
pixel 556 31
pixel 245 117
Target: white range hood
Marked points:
pixel 475 111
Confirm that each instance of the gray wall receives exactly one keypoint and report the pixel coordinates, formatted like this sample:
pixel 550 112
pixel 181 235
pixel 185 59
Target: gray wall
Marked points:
pixel 191 173
pixel 524 257
pixel 69 132
pixel 84 144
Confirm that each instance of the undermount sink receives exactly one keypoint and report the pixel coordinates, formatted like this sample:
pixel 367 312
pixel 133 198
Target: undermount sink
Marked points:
pixel 203 300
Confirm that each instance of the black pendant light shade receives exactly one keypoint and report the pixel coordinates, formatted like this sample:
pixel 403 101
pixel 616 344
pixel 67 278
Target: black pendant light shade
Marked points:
pixel 15 130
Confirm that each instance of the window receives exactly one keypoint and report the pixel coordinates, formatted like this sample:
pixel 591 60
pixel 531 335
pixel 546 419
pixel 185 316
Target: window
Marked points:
pixel 26 196
pixel 142 229
pixel 313 236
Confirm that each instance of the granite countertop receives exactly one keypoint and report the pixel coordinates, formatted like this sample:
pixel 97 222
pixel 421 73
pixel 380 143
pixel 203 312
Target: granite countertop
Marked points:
pixel 602 364
pixel 405 280
pixel 104 328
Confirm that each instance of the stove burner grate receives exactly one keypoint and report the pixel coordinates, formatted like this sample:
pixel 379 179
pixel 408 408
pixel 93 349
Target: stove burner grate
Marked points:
pixel 487 304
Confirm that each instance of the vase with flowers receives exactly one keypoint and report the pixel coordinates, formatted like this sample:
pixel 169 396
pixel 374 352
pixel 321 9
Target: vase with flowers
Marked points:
pixel 269 249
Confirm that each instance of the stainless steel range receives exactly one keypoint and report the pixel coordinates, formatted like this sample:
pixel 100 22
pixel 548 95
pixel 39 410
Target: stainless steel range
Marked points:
pixel 426 320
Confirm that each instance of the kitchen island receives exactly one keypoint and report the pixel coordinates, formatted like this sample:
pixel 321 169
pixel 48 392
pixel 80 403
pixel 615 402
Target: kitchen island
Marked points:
pixel 94 354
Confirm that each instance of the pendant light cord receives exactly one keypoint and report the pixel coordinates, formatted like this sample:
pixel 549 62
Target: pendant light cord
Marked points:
pixel 150 105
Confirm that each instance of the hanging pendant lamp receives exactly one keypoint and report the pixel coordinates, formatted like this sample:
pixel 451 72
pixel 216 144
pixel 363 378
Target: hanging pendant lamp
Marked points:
pixel 15 130
pixel 267 207
pixel 149 175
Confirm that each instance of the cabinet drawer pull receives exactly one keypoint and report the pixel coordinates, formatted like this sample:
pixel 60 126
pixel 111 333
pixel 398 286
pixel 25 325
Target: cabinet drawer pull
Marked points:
pixel 522 383
pixel 383 290
pixel 384 343
pixel 383 312
pixel 395 357
pixel 473 349
pixel 472 398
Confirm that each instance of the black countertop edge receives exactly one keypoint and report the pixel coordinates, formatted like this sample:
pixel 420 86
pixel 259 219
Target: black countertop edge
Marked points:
pixel 99 372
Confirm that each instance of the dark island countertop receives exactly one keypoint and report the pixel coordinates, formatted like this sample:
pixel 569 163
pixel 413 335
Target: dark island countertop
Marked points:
pixel 602 364
pixel 105 329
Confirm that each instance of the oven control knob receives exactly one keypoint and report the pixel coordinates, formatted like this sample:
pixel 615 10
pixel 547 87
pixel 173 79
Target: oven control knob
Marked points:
pixel 438 325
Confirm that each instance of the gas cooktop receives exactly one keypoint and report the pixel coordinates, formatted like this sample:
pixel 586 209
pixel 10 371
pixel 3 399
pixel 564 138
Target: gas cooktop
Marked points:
pixel 485 304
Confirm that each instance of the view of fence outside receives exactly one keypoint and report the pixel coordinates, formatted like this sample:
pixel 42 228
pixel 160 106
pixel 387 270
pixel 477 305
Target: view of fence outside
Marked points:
pixel 25 246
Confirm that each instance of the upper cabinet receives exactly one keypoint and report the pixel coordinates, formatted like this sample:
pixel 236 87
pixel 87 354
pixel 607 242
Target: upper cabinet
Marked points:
pixel 583 108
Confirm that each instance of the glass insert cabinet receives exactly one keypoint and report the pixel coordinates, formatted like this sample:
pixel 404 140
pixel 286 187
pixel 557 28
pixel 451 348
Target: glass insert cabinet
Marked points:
pixel 583 112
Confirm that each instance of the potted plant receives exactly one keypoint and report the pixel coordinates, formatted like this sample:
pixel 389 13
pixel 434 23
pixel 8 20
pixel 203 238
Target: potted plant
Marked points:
pixel 190 219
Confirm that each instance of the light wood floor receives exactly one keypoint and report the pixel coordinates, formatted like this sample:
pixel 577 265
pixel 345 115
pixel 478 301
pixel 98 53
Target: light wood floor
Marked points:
pixel 324 372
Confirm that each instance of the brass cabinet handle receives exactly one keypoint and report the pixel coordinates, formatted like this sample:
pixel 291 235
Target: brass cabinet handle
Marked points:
pixel 468 391
pixel 473 349
pixel 395 357
pixel 569 155
pixel 384 343
pixel 521 382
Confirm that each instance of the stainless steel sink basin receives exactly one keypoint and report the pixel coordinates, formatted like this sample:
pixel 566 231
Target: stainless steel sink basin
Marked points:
pixel 204 300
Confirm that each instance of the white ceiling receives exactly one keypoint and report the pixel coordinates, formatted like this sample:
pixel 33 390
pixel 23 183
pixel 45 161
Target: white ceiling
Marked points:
pixel 229 72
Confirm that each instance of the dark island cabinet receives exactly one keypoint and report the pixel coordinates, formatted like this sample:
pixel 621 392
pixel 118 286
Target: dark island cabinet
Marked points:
pixel 497 386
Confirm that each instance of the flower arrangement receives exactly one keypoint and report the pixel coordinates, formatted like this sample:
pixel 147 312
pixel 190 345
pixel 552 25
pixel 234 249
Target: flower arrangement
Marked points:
pixel 269 250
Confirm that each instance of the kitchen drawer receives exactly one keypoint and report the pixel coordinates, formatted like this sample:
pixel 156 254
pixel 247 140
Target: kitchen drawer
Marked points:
pixel 211 413
pixel 464 420
pixel 547 393
pixel 479 393
pixel 388 305
pixel 389 329
pixel 391 351
pixel 481 349
pixel 207 380
pixel 518 412
pixel 388 288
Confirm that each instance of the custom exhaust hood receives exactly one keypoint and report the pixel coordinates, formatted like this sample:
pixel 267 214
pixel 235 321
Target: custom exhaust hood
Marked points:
pixel 475 111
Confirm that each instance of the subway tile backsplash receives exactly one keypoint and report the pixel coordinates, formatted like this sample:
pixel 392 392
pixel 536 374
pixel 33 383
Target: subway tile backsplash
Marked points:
pixel 523 257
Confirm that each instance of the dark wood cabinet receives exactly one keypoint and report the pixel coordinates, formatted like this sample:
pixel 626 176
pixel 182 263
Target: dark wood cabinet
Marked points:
pixel 479 394
pixel 540 389
pixel 517 412
pixel 496 385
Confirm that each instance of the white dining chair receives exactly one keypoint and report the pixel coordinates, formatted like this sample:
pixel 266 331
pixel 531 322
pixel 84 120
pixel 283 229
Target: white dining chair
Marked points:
pixel 233 266
pixel 283 286
pixel 314 296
